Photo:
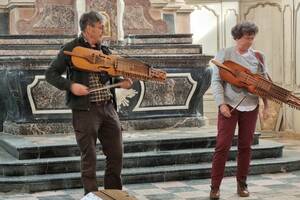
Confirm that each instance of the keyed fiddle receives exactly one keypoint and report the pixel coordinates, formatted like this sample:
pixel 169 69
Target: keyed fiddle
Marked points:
pixel 91 60
pixel 242 77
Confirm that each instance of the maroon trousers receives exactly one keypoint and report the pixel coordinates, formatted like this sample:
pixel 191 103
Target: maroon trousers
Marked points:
pixel 226 127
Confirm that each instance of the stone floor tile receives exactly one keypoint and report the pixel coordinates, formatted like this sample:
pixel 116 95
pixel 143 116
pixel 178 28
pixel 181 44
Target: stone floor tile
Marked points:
pixel 195 194
pixel 56 197
pixel 140 197
pixel 150 191
pixel 279 176
pixel 180 189
pixel 266 182
pixel 201 187
pixel 167 196
pixel 18 198
pixel 283 186
pixel 257 189
pixel 141 186
pixel 170 184
pixel 296 184
pixel 49 193
pixel 290 180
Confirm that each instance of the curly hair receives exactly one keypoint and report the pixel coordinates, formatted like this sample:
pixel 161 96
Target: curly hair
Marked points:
pixel 244 28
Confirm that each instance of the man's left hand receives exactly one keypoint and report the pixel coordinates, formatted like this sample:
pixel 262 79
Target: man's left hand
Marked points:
pixel 126 83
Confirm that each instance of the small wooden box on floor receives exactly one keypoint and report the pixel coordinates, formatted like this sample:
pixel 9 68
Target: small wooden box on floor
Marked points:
pixel 109 195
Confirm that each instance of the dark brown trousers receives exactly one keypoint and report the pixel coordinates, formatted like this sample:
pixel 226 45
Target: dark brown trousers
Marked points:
pixel 101 122
pixel 226 128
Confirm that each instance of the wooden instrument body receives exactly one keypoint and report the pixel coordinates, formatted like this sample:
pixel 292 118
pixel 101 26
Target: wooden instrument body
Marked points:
pixel 242 77
pixel 91 60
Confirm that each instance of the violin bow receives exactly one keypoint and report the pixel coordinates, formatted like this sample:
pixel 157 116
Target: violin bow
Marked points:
pixel 242 99
pixel 105 87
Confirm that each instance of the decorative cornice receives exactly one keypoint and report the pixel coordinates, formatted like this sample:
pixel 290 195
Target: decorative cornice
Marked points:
pixel 3 4
pixel 158 3
pixel 180 7
pixel 208 8
pixel 263 5
pixel 17 3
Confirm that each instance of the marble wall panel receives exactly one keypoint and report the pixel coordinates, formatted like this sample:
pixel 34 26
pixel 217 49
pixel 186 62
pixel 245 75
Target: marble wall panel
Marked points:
pixel 45 98
pixel 175 94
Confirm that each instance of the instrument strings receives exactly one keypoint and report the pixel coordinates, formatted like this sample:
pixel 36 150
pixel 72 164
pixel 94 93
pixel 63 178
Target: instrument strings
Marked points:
pixel 262 87
pixel 266 89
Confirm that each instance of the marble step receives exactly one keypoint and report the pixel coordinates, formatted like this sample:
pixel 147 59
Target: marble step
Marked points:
pixel 125 51
pixel 130 39
pixel 65 146
pixel 138 44
pixel 35 39
pixel 159 39
pixel 131 160
pixel 36 183
pixel 158 49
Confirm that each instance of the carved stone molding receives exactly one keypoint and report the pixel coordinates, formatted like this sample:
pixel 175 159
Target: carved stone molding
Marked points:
pixel 137 19
pixel 51 17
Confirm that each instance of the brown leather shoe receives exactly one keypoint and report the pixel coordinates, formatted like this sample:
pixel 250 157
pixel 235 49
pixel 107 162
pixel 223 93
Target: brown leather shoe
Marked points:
pixel 242 189
pixel 214 193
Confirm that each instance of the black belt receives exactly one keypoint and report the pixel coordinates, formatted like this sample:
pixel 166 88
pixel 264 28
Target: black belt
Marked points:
pixel 102 102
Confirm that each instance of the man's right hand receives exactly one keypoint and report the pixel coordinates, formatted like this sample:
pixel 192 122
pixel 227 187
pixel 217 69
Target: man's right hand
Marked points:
pixel 224 109
pixel 79 89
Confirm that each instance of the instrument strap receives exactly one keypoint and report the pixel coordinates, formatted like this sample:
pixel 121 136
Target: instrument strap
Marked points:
pixel 262 63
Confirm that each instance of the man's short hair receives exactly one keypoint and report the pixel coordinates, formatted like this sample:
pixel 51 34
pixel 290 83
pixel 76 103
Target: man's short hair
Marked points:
pixel 89 18
pixel 244 28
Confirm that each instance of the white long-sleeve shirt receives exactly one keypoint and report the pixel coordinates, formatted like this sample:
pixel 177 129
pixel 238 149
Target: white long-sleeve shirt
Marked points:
pixel 225 93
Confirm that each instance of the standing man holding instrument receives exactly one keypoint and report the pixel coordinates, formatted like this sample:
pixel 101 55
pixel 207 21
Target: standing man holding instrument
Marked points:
pixel 94 113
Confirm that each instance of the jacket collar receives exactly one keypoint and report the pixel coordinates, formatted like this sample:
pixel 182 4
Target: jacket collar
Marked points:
pixel 84 42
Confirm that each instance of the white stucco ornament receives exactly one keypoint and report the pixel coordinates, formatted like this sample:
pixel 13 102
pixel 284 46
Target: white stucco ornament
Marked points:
pixel 123 96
